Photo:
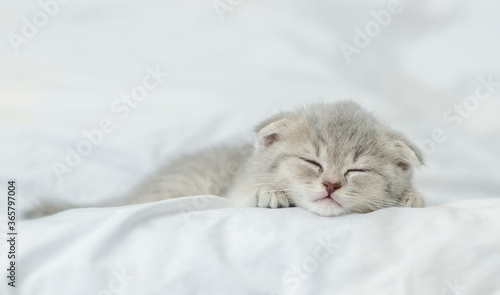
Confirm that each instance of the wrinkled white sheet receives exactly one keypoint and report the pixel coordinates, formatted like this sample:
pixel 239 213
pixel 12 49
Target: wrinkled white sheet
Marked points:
pixel 224 76
pixel 199 245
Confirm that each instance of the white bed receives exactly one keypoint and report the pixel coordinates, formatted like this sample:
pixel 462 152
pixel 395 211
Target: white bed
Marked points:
pixel 225 76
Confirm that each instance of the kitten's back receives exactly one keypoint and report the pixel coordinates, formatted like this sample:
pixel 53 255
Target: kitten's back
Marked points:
pixel 208 172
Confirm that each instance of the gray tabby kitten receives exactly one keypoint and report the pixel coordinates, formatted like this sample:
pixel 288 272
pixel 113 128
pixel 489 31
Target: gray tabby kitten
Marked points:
pixel 328 158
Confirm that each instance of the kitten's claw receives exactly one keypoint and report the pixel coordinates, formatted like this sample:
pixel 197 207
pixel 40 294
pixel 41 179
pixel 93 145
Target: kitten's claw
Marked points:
pixel 272 199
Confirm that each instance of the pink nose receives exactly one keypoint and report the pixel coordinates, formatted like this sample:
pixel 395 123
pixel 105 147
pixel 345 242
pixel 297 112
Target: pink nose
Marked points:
pixel 331 187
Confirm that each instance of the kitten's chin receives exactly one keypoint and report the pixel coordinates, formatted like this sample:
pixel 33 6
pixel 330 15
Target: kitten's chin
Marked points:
pixel 328 211
pixel 327 201
pixel 326 206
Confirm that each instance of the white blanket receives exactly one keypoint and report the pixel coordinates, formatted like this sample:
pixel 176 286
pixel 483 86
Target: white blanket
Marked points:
pixel 73 76
pixel 199 245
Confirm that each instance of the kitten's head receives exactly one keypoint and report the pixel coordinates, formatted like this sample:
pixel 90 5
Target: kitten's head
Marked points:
pixel 334 159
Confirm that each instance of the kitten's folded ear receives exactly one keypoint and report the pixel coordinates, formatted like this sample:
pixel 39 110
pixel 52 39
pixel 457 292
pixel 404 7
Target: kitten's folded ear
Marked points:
pixel 408 156
pixel 268 132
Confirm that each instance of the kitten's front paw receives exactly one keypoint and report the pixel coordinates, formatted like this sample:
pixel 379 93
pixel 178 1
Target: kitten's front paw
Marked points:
pixel 414 200
pixel 271 198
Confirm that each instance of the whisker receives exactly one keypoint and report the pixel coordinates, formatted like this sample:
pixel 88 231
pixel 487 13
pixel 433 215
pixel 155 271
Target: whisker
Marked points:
pixel 373 201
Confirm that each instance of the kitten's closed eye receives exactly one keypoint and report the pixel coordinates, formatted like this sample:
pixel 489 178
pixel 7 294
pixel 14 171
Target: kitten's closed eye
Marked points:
pixel 313 163
pixel 355 170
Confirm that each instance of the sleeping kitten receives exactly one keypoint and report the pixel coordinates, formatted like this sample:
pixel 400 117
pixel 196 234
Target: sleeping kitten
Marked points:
pixel 328 158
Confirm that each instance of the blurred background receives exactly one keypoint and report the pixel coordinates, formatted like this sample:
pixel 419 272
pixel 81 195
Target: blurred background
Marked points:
pixel 97 95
